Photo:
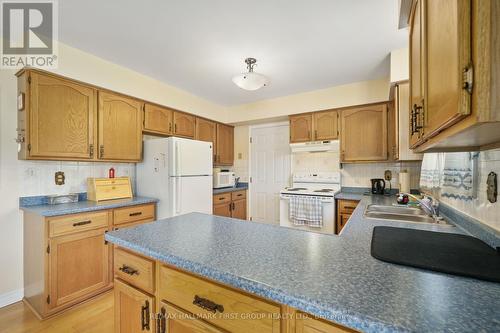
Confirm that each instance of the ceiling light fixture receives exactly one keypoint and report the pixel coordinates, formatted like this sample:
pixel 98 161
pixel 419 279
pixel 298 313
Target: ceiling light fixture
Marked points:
pixel 250 80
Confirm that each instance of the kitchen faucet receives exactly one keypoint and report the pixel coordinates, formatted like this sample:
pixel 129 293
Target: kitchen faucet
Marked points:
pixel 429 204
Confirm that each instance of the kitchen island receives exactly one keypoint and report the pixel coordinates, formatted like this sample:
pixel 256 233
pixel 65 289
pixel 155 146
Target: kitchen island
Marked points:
pixel 332 277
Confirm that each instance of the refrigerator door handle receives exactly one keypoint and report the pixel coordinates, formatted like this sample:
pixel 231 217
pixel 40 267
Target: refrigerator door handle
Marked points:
pixel 177 159
pixel 178 193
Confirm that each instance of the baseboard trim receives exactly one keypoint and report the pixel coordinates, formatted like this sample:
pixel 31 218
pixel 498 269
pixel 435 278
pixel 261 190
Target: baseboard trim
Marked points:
pixel 11 297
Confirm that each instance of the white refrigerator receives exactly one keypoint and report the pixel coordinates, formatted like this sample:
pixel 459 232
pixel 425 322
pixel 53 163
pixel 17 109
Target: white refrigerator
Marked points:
pixel 178 172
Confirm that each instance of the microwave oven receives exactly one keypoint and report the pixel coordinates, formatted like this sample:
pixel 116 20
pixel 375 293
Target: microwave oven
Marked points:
pixel 223 179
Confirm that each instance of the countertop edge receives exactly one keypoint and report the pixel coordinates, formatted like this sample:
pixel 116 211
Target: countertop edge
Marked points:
pixel 341 317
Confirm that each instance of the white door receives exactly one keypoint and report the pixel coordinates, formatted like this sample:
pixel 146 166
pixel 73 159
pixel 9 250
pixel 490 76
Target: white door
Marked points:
pixel 191 194
pixel 269 170
pixel 190 157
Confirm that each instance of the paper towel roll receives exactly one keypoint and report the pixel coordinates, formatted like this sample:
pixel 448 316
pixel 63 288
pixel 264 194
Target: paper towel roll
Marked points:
pixel 404 182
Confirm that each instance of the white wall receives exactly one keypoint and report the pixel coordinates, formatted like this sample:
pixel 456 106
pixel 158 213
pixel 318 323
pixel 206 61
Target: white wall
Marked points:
pixel 400 65
pixel 19 178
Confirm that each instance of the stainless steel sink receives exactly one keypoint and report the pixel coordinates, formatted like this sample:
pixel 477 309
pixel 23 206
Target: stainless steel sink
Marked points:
pixel 401 214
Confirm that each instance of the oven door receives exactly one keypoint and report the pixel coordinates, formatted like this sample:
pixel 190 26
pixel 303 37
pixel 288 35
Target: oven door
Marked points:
pixel 328 207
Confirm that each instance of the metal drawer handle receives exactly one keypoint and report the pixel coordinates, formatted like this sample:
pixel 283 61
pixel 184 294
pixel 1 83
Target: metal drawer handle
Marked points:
pixel 207 304
pixel 135 214
pixel 128 270
pixel 145 316
pixel 222 198
pixel 77 224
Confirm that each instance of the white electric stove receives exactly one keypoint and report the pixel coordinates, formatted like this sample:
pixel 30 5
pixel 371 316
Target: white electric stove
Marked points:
pixel 323 185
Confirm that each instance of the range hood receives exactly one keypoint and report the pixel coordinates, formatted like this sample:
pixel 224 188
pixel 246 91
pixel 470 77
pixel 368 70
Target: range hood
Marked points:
pixel 315 146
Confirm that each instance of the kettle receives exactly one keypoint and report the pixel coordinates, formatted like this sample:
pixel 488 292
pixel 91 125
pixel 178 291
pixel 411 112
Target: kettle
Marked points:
pixel 378 186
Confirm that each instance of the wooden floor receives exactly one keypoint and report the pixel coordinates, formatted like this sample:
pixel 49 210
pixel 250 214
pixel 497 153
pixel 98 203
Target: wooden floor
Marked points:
pixel 95 316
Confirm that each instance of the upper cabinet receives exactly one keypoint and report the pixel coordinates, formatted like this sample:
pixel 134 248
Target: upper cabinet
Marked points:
pixel 57 116
pixel 364 133
pixel 402 124
pixel 453 74
pixel 225 145
pixel 157 119
pixel 301 128
pixel 120 127
pixel 325 125
pixel 206 130
pixel 184 124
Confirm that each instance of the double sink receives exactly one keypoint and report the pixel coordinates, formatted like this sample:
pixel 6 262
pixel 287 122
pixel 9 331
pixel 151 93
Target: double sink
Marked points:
pixel 401 214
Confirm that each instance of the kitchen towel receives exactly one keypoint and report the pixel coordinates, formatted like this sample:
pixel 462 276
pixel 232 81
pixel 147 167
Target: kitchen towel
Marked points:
pixel 457 181
pixel 306 210
pixel 430 173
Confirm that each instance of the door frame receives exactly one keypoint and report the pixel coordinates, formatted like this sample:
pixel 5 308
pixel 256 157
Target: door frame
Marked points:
pixel 250 186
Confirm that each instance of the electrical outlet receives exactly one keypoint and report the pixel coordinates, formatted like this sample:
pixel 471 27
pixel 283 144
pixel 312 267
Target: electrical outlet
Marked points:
pixel 492 190
pixel 59 178
pixel 388 175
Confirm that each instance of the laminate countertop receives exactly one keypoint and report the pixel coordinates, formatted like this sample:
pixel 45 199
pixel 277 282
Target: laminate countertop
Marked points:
pixel 331 276
pixel 240 187
pixel 84 206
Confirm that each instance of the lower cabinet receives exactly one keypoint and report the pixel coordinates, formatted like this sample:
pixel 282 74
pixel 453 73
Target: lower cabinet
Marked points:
pixel 344 211
pixel 66 258
pixel 134 310
pixel 231 204
pixel 188 303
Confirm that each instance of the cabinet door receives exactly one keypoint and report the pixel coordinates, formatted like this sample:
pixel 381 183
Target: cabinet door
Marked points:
pixel 157 119
pixel 301 128
pixel 184 124
pixel 120 127
pixel 78 266
pixel 401 100
pixel 325 125
pixel 225 145
pixel 174 320
pixel 222 209
pixel 364 134
pixel 62 118
pixel 239 209
pixel 416 116
pixel 206 130
pixel 447 54
pixel 134 310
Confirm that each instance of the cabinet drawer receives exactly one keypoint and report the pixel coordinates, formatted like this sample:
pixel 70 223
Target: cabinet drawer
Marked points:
pixel 63 225
pixel 198 296
pixel 222 198
pixel 133 213
pixel 347 206
pixel 112 181
pixel 136 270
pixel 238 195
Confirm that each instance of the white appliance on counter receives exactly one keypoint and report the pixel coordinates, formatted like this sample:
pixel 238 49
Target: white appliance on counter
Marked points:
pixel 223 178
pixel 178 172
pixel 323 185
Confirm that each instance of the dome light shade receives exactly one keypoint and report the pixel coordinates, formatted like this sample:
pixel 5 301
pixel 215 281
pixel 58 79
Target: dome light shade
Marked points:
pixel 250 80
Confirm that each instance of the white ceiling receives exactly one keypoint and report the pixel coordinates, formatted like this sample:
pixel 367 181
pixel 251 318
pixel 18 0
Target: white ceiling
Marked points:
pixel 199 45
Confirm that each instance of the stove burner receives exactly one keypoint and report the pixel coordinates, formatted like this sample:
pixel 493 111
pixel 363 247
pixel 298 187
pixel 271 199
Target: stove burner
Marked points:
pixel 296 189
pixel 325 190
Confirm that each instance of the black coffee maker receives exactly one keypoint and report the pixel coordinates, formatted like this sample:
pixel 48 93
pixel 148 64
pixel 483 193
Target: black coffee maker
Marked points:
pixel 378 186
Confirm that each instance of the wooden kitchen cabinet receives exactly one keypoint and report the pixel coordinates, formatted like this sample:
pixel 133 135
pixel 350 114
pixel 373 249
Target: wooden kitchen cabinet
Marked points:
pixel 184 124
pixel 301 128
pixel 454 75
pixel 134 309
pixel 325 124
pixel 120 127
pixel 305 323
pixel 231 204
pixel 402 124
pixel 225 145
pixel 67 261
pixel 78 266
pixel 57 117
pixel 364 133
pixel 206 130
pixel 345 208
pixel 175 320
pixel 157 119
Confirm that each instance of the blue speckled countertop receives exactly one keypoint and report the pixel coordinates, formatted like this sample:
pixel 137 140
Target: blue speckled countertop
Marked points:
pixel 85 206
pixel 327 275
pixel 241 186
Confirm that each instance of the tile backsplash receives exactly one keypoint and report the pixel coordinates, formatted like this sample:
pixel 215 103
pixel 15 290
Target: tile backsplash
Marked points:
pixel 478 206
pixel 37 177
